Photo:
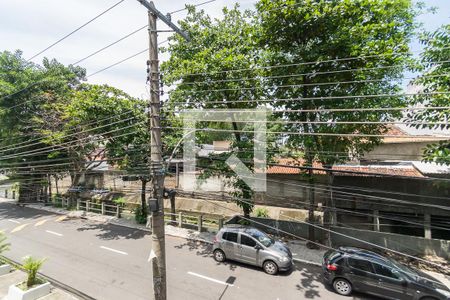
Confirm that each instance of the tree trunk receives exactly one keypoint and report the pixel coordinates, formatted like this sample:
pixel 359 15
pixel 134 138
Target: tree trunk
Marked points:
pixel 246 210
pixel 329 211
pixel 172 209
pixel 49 178
pixel 143 198
pixel 56 185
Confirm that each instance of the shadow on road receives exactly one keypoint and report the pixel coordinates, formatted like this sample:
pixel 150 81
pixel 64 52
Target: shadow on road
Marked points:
pixel 14 211
pixel 113 232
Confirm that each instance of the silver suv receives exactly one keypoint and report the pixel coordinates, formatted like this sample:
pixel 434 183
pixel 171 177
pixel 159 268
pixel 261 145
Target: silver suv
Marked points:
pixel 252 246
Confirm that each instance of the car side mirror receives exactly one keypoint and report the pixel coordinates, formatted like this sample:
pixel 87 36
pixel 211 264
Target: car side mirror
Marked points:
pixel 258 247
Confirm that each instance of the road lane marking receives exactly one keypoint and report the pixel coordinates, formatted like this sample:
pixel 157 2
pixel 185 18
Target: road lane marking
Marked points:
pixel 54 233
pixel 60 219
pixel 114 250
pixel 19 228
pixel 209 278
pixel 42 222
pixel 14 221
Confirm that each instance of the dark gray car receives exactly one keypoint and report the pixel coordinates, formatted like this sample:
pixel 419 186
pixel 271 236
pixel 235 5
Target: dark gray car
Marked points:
pixel 252 246
pixel 350 269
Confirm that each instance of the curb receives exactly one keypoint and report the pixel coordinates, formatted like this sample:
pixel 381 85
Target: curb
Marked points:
pixel 129 226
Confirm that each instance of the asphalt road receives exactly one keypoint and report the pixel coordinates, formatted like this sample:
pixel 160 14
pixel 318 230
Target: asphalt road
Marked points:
pixel 111 262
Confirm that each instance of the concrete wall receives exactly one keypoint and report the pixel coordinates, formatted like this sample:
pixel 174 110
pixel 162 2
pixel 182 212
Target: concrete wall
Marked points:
pixel 397 151
pixel 293 230
pixel 343 237
pixel 402 243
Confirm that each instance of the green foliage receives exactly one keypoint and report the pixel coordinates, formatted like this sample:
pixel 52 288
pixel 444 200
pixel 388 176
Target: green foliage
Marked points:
pixel 140 215
pixel 4 246
pixel 32 98
pixel 435 79
pixel 120 201
pixel 262 212
pixel 226 44
pixel 31 266
pixel 317 33
pixel 438 153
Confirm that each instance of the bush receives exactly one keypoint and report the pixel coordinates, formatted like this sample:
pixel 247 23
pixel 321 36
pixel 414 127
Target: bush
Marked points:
pixel 120 201
pixel 140 215
pixel 31 266
pixel 3 245
pixel 262 212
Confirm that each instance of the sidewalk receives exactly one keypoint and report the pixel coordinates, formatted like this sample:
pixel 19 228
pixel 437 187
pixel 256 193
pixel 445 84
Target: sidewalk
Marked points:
pixel 18 276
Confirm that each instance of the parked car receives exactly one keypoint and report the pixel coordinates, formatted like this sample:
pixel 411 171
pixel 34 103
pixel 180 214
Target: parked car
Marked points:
pixel 251 246
pixel 353 269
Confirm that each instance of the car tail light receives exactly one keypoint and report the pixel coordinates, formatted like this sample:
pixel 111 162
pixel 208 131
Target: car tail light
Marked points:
pixel 332 267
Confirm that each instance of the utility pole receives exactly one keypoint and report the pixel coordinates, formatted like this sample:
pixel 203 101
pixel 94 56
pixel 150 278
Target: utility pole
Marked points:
pixel 156 201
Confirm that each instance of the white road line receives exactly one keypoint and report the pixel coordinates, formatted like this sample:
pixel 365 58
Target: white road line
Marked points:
pixel 113 250
pixel 54 233
pixel 209 278
pixel 14 221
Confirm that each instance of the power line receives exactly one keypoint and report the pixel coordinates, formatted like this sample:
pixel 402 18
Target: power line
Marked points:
pixel 346 97
pixel 322 122
pixel 77 29
pixel 122 61
pixel 293 75
pixel 329 134
pixel 110 45
pixel 300 63
pixel 300 85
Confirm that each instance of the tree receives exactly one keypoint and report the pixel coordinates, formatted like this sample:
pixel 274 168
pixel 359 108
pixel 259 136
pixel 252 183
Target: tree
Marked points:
pixel 219 50
pixel 434 82
pixel 30 95
pixel 314 39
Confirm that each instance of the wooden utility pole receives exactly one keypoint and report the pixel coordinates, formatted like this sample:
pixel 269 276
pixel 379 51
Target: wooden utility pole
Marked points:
pixel 156 201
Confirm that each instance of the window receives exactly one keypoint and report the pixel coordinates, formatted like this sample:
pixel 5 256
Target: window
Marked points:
pixel 360 264
pixel 385 271
pixel 230 236
pixel 261 237
pixel 247 241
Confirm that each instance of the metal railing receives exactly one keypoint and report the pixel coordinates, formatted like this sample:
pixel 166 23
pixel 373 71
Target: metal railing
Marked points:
pixel 101 208
pixel 200 222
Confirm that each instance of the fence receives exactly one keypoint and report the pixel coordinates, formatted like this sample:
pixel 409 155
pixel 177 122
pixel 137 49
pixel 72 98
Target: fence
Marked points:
pixel 8 193
pixel 199 222
pixel 88 206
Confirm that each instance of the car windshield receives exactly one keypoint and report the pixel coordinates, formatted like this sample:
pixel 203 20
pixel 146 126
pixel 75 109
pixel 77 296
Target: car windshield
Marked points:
pixel 261 237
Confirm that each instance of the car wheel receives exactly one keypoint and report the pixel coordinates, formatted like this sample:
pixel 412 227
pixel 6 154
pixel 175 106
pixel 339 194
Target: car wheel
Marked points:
pixel 219 256
pixel 270 267
pixel 342 287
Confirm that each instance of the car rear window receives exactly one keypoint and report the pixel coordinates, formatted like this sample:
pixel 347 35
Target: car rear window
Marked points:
pixel 360 264
pixel 230 236
pixel 332 255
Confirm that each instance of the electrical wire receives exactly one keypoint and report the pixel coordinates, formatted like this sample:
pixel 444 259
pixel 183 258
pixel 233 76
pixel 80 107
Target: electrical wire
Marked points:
pixel 77 29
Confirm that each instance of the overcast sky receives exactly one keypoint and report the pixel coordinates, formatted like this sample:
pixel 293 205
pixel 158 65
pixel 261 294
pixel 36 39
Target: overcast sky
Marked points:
pixel 33 25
